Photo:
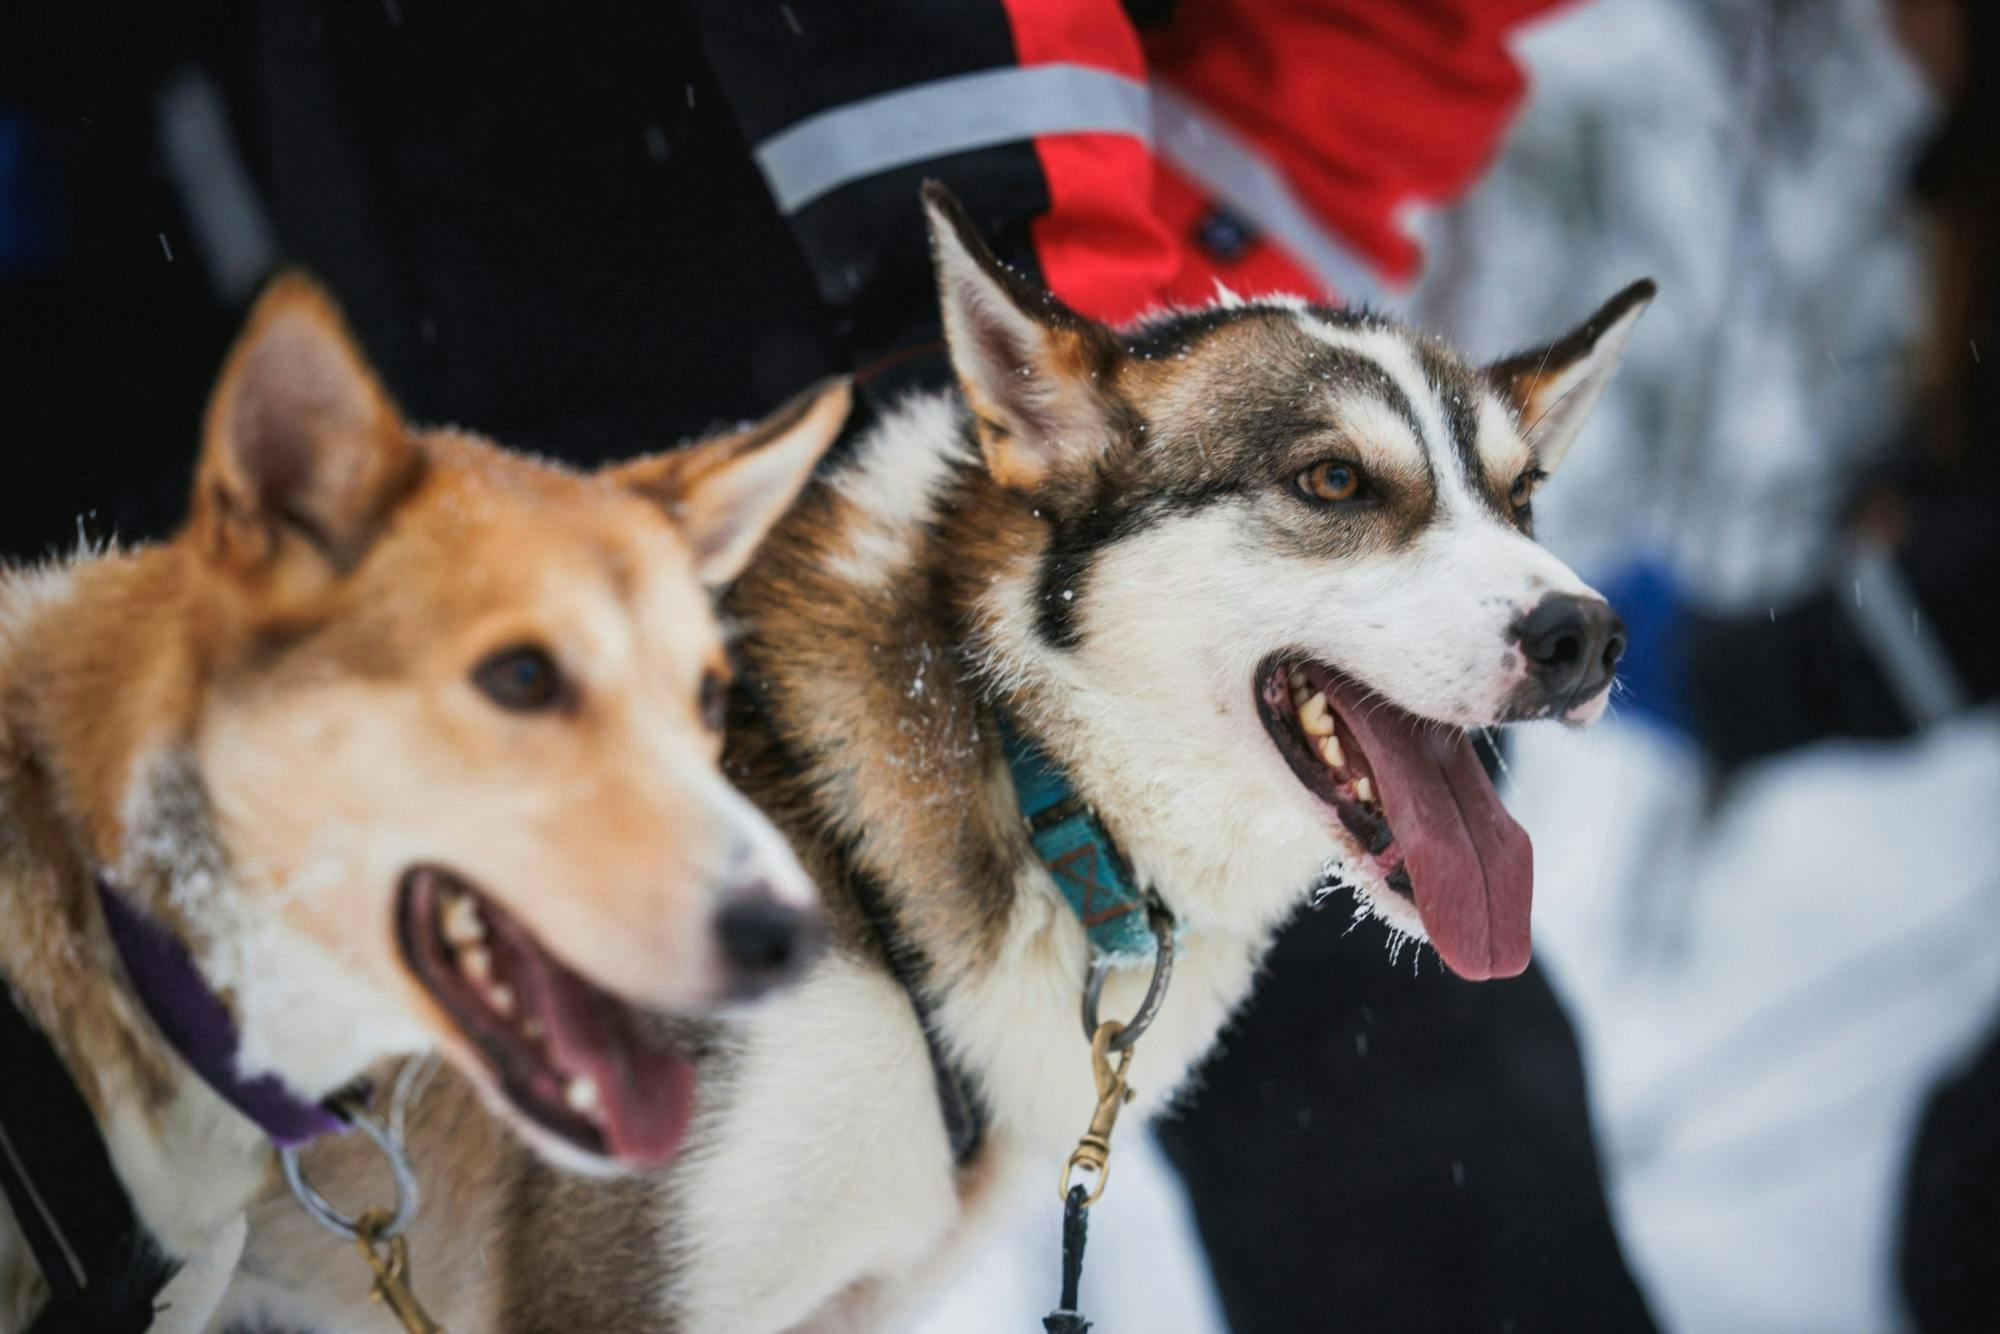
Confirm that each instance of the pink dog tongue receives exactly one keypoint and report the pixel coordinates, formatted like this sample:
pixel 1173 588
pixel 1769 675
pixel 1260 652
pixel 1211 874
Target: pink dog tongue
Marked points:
pixel 1471 866
pixel 646 1093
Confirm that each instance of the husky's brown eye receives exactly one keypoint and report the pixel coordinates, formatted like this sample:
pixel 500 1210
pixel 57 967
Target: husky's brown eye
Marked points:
pixel 714 701
pixel 1331 481
pixel 1523 490
pixel 521 679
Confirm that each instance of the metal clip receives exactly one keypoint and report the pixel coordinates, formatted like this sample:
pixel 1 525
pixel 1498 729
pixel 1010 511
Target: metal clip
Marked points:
pixel 389 1257
pixel 379 1232
pixel 330 1218
pixel 1093 1151
pixel 1162 923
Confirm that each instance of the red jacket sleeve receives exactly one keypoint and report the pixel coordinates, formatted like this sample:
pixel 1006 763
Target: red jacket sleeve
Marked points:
pixel 1102 245
pixel 1366 106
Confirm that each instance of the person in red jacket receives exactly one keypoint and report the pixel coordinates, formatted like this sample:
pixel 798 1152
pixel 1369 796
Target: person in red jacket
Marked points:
pixel 1137 153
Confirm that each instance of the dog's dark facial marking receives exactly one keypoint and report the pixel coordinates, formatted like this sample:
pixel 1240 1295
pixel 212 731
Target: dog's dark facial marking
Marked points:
pixel 1292 420
pixel 1075 545
pixel 1351 373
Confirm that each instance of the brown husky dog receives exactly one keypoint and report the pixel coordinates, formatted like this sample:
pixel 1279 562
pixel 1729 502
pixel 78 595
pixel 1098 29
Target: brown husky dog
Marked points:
pixel 403 744
pixel 1245 575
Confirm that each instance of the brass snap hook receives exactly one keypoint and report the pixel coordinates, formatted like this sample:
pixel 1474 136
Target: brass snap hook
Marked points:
pixel 389 1257
pixel 1093 1151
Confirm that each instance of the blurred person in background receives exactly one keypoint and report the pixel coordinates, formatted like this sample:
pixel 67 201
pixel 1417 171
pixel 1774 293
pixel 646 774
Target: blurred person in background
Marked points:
pixel 596 228
pixel 1940 512
pixel 1774 909
pixel 1901 634
pixel 1924 515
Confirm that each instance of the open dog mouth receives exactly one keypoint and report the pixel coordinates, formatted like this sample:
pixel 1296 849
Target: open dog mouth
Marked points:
pixel 1413 794
pixel 570 1056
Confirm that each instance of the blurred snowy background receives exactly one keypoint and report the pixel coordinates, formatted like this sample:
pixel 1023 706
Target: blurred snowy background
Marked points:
pixel 1766 981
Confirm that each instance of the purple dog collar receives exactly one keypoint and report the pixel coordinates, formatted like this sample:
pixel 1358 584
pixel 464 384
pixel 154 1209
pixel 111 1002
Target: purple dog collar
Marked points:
pixel 195 1022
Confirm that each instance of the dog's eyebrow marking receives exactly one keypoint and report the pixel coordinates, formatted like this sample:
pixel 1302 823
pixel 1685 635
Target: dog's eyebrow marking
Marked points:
pixel 1353 371
pixel 1372 357
pixel 1370 417
pixel 1499 439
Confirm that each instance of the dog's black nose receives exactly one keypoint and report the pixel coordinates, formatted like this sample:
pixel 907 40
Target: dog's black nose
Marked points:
pixel 1573 646
pixel 765 942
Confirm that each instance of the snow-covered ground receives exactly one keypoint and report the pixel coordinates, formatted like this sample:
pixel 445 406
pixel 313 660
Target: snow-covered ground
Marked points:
pixel 1763 996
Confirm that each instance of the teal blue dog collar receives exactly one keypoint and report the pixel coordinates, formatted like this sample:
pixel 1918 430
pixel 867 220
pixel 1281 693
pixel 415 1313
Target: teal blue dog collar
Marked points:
pixel 1080 856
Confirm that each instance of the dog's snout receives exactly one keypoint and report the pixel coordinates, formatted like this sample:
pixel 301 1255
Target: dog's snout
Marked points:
pixel 765 942
pixel 1572 644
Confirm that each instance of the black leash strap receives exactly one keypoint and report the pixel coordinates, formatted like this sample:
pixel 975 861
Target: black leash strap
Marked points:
pixel 102 1267
pixel 1066 1318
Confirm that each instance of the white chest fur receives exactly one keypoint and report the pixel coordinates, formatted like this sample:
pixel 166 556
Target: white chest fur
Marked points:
pixel 825 1167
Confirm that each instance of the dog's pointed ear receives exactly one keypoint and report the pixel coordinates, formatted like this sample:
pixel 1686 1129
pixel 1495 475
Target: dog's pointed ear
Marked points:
pixel 1552 389
pixel 301 447
pixel 1033 370
pixel 724 493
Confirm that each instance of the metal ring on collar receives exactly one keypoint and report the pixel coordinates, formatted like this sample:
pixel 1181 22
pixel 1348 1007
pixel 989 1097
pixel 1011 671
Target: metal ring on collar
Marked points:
pixel 1162 923
pixel 330 1218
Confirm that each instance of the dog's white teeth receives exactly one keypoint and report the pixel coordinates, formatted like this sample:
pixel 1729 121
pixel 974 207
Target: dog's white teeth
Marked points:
pixel 1330 751
pixel 461 921
pixel 1365 790
pixel 476 964
pixel 1315 717
pixel 501 997
pixel 1297 678
pixel 581 1095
